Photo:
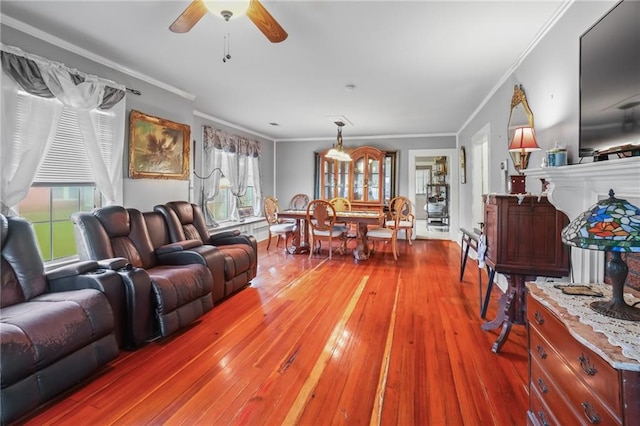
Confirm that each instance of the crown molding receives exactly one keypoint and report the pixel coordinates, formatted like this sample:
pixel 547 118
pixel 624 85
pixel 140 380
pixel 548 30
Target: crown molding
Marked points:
pixel 56 41
pixel 377 137
pixel 232 125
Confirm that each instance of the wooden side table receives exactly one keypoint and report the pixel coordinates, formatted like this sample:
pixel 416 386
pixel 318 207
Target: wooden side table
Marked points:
pixel 523 242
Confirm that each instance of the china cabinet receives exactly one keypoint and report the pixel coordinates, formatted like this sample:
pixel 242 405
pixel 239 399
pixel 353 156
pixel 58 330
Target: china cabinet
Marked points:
pixel 368 181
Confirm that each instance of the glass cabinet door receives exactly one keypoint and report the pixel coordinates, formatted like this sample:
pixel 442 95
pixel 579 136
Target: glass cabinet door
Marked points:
pixel 342 187
pixel 373 193
pixel 359 179
pixel 328 179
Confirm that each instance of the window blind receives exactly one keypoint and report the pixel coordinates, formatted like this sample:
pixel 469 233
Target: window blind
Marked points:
pixel 67 161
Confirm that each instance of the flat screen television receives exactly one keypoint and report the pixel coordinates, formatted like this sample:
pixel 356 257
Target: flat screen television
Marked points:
pixel 610 83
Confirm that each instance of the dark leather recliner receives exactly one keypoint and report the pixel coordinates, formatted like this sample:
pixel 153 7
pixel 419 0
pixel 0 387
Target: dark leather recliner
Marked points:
pixel 52 335
pixel 185 221
pixel 179 286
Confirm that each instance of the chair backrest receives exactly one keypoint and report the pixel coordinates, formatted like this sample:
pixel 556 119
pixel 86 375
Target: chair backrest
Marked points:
pixel 299 202
pixel 271 209
pixel 22 269
pixel 114 231
pixel 341 204
pixel 185 221
pixel 321 215
pixel 400 206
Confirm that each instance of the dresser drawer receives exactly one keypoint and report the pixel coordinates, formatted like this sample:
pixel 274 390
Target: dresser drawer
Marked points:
pixel 598 375
pixel 548 402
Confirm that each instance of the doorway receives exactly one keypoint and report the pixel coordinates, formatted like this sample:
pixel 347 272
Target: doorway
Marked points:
pixel 433 189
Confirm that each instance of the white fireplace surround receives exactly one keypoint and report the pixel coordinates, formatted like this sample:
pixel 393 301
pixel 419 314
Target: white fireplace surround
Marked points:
pixel 573 189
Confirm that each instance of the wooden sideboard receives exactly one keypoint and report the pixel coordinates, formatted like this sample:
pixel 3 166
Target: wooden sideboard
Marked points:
pixel 523 242
pixel 569 383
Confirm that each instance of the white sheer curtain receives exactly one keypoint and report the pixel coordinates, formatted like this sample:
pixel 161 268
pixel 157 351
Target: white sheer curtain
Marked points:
pixel 83 93
pixel 21 158
pixel 232 154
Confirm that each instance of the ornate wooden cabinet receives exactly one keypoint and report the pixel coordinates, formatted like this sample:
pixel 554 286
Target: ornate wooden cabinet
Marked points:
pixel 368 181
pixel 523 242
pixel 575 375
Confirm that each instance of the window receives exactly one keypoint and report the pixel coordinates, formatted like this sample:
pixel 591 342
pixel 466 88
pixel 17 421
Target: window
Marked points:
pixel 423 177
pixel 64 183
pixel 49 209
pixel 222 205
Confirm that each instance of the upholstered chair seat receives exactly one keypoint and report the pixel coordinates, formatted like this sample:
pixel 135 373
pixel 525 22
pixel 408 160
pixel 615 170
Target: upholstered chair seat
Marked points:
pixel 53 332
pixel 179 281
pixel 185 221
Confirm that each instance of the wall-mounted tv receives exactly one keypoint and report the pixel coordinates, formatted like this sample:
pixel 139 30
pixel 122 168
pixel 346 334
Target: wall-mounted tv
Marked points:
pixel 610 83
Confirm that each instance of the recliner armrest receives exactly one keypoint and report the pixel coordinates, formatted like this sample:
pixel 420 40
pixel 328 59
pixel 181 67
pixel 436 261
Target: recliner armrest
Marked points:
pixel 222 235
pixel 179 246
pixel 77 268
pixel 114 264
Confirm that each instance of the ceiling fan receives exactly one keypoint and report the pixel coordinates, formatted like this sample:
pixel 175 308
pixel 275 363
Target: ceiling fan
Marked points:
pixel 228 9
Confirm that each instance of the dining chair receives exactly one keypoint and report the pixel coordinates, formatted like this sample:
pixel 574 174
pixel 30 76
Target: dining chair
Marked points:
pixel 342 204
pixel 299 202
pixel 389 233
pixel 321 217
pixel 277 226
pixel 406 217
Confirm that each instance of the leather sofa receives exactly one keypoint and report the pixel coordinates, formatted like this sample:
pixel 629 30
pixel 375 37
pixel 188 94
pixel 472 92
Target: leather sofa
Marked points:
pixel 54 332
pixel 172 285
pixel 185 221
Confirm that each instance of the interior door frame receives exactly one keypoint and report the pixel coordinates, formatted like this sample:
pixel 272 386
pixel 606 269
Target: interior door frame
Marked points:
pixel 454 182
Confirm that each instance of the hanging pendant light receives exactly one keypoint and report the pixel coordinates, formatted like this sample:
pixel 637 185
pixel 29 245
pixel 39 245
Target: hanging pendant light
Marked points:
pixel 338 152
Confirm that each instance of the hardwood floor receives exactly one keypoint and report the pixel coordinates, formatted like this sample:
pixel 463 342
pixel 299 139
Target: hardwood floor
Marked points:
pixel 316 342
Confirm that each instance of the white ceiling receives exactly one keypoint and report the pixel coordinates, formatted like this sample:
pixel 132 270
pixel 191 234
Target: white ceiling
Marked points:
pixel 419 67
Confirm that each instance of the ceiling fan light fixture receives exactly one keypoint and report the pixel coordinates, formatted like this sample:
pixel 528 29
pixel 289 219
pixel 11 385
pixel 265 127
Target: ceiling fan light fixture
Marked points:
pixel 227 9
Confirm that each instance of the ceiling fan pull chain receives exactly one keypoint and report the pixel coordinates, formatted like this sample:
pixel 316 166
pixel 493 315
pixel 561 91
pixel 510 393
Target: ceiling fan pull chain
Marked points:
pixel 226 54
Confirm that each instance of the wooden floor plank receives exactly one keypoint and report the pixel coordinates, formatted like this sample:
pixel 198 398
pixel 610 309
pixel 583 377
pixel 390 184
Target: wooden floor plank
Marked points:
pixel 318 341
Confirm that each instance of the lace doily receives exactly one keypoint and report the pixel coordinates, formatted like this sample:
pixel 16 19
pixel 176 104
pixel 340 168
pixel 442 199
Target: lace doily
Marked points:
pixel 624 334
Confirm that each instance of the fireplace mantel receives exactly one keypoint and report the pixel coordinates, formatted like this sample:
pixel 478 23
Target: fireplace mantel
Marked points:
pixel 573 189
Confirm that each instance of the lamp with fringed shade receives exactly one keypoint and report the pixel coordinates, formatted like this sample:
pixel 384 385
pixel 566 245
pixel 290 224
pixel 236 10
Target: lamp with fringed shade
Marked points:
pixel 610 225
pixel 522 145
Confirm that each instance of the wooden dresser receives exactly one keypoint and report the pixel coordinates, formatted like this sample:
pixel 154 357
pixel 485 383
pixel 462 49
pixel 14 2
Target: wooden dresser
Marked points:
pixel 575 375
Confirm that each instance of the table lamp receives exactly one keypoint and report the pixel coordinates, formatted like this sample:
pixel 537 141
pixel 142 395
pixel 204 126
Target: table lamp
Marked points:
pixel 523 143
pixel 610 225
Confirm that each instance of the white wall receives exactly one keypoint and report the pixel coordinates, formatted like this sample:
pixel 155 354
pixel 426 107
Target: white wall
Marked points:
pixel 550 78
pixel 295 160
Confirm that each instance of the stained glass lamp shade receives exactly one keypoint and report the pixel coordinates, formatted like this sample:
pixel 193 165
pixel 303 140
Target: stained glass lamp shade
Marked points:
pixel 610 225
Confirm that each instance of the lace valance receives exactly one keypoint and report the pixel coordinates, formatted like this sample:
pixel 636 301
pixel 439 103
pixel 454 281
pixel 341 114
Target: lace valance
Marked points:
pixel 227 142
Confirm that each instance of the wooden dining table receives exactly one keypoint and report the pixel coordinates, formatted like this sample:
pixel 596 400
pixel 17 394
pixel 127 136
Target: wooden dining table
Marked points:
pixel 362 218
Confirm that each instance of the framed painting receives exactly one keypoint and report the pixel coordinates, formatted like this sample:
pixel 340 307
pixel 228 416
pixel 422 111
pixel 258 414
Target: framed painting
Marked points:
pixel 158 148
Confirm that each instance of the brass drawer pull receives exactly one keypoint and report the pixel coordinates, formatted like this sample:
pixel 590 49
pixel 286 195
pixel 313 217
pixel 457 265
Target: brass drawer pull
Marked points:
pixel 539 317
pixel 543 386
pixel 543 418
pixel 586 365
pixel 541 352
pixel 590 413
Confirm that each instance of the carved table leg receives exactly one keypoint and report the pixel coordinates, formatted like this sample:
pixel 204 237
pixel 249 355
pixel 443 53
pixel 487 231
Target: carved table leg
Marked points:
pixel 299 245
pixel 511 309
pixel 361 252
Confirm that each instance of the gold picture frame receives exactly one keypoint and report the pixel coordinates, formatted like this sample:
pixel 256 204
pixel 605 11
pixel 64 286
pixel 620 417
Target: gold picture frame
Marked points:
pixel 158 148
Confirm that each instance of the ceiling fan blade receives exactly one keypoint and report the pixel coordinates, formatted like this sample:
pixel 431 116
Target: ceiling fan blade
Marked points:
pixel 191 15
pixel 265 22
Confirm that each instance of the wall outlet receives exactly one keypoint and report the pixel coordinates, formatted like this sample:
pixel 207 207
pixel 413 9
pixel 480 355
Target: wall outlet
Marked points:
pixel 504 165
